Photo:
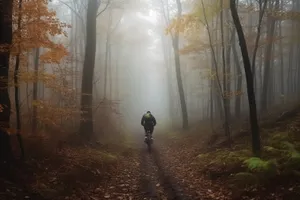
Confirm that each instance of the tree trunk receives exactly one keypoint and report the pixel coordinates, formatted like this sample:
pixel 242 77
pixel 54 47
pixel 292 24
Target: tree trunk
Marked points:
pixel 5 39
pixel 107 52
pixel 166 53
pixel 239 78
pixel 86 123
pixel 35 91
pixel 16 82
pixel 225 97
pixel 256 148
pixel 267 67
pixel 262 8
pixel 178 71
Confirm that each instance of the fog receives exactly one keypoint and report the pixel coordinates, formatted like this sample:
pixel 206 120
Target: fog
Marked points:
pixel 78 77
pixel 137 74
pixel 150 55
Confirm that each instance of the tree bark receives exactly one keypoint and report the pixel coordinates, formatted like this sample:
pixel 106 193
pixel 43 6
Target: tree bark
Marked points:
pixel 86 123
pixel 107 52
pixel 268 54
pixel 239 74
pixel 175 43
pixel 5 42
pixel 35 91
pixel 16 82
pixel 225 97
pixel 256 148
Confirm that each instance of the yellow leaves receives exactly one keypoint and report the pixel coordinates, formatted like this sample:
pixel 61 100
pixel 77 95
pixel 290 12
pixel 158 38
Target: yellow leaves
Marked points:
pixel 30 77
pixel 230 94
pixel 211 9
pixel 192 25
pixel 38 27
pixel 181 24
pixel 52 115
pixel 197 46
pixel 285 15
pixel 54 55
pixel 196 17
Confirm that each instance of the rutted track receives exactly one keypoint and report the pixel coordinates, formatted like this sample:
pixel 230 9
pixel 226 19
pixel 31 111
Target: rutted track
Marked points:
pixel 148 177
pixel 155 181
pixel 170 187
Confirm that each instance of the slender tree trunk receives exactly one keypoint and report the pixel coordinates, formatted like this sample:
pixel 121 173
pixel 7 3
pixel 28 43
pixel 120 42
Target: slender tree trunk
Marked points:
pixel 166 51
pixel 256 148
pixel 110 74
pixel 16 82
pixel 214 53
pixel 262 8
pixel 268 54
pixel 239 74
pixel 5 39
pixel 35 91
pixel 107 51
pixel 86 123
pixel 225 91
pixel 178 72
pixel 260 75
pixel 211 104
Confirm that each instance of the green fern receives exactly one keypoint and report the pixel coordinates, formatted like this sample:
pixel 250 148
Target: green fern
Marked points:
pixel 276 139
pixel 257 165
pixel 288 146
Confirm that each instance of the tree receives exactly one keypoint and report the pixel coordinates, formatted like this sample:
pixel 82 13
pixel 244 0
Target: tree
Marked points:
pixel 268 54
pixel 5 105
pixel 35 30
pixel 16 82
pixel 175 44
pixel 86 123
pixel 249 78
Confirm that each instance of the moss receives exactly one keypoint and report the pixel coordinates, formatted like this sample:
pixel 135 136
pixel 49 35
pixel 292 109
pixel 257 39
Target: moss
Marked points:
pixel 276 139
pixel 293 163
pixel 223 158
pixel 242 180
pixel 270 151
pixel 281 155
pixel 264 168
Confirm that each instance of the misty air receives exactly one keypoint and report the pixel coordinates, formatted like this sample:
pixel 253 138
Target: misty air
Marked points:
pixel 149 99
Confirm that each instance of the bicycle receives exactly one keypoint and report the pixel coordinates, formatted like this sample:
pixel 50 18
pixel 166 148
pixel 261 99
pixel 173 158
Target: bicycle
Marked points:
pixel 148 140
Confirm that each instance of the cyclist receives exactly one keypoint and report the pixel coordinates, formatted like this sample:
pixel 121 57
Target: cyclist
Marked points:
pixel 148 121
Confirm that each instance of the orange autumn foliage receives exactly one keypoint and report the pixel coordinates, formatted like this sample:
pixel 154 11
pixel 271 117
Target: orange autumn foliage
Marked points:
pixel 39 27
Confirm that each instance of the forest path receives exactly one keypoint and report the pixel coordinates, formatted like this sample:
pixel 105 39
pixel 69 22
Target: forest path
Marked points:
pixel 141 177
pixel 155 181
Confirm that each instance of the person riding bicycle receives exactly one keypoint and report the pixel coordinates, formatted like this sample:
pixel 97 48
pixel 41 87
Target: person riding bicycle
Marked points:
pixel 148 122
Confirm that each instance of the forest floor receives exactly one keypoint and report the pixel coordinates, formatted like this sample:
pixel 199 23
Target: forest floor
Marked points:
pixel 181 166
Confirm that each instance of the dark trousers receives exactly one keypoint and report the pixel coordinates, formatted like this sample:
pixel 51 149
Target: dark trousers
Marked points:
pixel 150 128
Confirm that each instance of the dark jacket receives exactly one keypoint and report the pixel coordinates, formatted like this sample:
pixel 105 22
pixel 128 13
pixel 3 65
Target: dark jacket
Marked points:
pixel 148 120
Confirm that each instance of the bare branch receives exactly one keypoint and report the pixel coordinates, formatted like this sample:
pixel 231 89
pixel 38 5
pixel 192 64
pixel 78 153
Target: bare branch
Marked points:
pixel 166 14
pixel 116 26
pixel 108 2
pixel 72 9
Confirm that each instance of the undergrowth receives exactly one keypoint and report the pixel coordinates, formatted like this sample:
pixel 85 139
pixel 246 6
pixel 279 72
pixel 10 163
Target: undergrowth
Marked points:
pixel 280 158
pixel 54 169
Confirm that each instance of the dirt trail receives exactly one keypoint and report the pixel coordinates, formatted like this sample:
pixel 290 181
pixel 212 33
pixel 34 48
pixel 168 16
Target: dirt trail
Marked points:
pixel 141 177
pixel 155 181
